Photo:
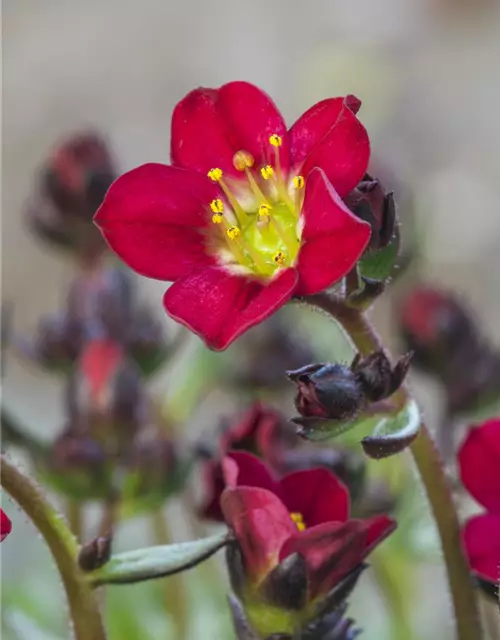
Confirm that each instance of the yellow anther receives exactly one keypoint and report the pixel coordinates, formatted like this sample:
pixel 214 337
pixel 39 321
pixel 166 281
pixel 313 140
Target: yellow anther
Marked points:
pixel 217 218
pixel 243 160
pixel 267 172
pixel 280 259
pixel 233 232
pixel 298 182
pixel 215 174
pixel 217 205
pixel 276 140
pixel 264 210
pixel 298 518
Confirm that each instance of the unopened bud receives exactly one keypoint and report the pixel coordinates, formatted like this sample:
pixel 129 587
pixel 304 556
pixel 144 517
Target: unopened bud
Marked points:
pixel 95 554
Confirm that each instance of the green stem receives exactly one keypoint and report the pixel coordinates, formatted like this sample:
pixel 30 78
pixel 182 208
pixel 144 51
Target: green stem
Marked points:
pixel 429 464
pixel 74 514
pixel 174 587
pixel 87 623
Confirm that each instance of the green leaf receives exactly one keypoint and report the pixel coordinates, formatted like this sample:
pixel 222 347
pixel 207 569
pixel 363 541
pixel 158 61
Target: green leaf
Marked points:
pixel 393 433
pixel 157 562
pixel 377 265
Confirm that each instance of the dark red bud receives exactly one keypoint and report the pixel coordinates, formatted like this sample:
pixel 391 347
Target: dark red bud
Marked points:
pixel 95 554
pixel 327 391
pixel 376 375
pixel 72 185
pixel 371 203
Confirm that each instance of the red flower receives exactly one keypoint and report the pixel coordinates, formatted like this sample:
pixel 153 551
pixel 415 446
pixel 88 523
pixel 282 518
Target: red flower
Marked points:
pixel 230 222
pixel 306 512
pixel 5 525
pixel 259 430
pixel 479 460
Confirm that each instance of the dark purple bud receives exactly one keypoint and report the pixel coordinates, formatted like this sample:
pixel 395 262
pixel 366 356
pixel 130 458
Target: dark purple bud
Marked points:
pixel 327 391
pixel 95 554
pixel 72 185
pixel 377 377
pixel 154 462
pixel 371 203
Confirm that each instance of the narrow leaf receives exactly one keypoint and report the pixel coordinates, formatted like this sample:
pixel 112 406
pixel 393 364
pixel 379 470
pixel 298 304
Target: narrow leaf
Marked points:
pixel 157 562
pixel 393 433
pixel 377 265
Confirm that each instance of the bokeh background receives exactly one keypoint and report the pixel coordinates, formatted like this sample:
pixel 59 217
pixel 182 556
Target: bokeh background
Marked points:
pixel 427 73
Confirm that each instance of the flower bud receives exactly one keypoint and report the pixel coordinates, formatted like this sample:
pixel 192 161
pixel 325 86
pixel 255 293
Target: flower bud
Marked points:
pixel 327 391
pixel 371 203
pixel 105 394
pixel 448 344
pixel 79 466
pixel 95 554
pixel 154 464
pixel 72 185
pixel 99 305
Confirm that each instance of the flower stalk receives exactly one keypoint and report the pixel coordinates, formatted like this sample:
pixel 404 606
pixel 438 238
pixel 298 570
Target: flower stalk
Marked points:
pixel 425 454
pixel 85 616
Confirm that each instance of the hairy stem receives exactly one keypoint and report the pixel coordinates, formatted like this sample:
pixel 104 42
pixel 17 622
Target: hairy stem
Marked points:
pixel 85 616
pixel 431 469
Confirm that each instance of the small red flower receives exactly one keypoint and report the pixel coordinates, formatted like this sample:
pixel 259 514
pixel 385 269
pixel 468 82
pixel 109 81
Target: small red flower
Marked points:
pixel 259 430
pixel 306 512
pixel 5 525
pixel 248 214
pixel 479 461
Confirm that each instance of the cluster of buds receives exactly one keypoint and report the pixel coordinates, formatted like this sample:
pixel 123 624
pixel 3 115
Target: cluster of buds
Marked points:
pixel 105 343
pixel 341 392
pixel 72 184
pixel 447 343
pixel 101 304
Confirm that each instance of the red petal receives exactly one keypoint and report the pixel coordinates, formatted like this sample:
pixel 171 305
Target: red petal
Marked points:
pixel 261 523
pixel 334 238
pixel 220 306
pixel 377 528
pixel 316 494
pixel 481 537
pixel 479 460
pixel 5 525
pixel 200 137
pixel 99 363
pixel 245 469
pixel 149 218
pixel 343 153
pixel 331 551
pixel 315 123
pixel 253 117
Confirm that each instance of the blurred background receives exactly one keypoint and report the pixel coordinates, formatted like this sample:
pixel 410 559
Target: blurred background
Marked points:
pixel 427 74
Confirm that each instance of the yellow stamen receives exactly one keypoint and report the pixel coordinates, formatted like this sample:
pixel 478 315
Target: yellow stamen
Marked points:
pixel 264 210
pixel 267 172
pixel 233 232
pixel 215 174
pixel 298 182
pixel 217 205
pixel 217 218
pixel 242 160
pixel 276 140
pixel 280 259
pixel 298 518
